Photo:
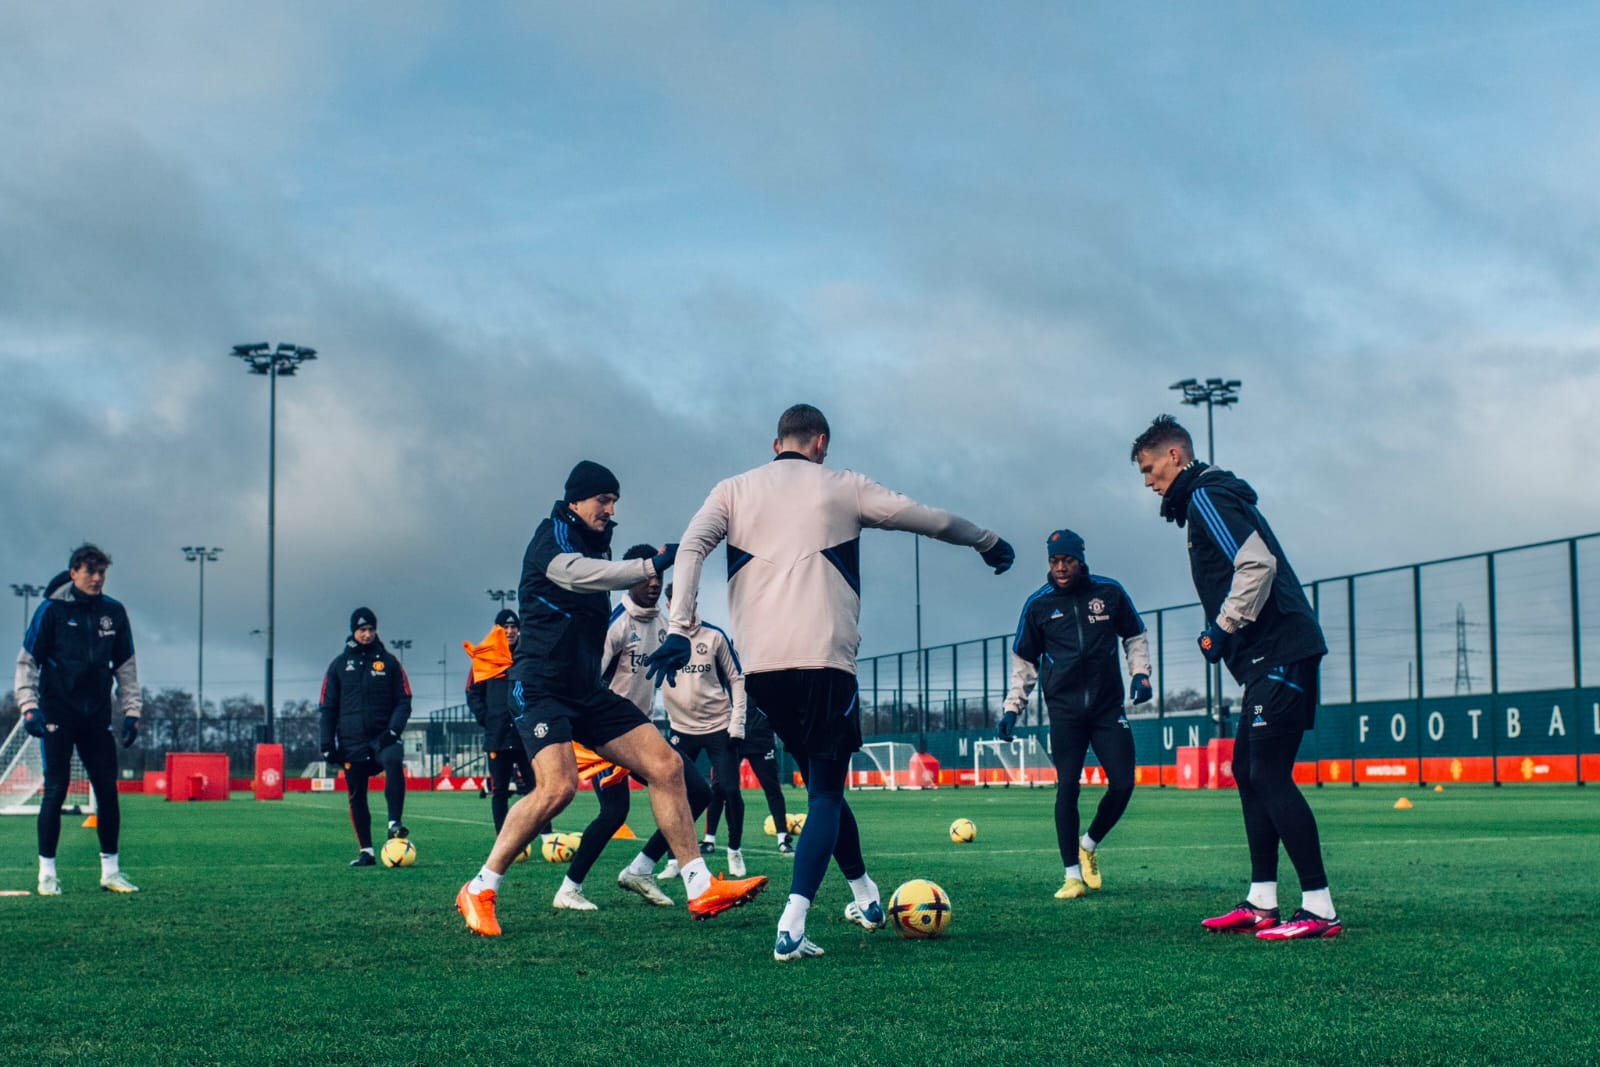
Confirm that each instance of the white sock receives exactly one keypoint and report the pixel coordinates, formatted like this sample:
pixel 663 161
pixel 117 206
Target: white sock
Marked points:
pixel 108 864
pixel 47 866
pixel 793 919
pixel 865 890
pixel 1075 871
pixel 367 850
pixel 641 864
pixel 1263 895
pixel 1318 902
pixel 696 877
pixel 486 880
pixel 393 823
pixel 783 838
pixel 735 852
pixel 711 839
pixel 1087 843
pixel 569 886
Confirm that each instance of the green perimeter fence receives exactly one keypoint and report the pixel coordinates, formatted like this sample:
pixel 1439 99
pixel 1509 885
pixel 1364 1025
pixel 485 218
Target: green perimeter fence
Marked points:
pixel 1476 655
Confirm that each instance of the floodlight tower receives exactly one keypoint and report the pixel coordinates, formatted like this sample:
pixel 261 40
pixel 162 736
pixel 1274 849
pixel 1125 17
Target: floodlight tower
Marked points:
pixel 500 596
pixel 200 554
pixel 400 644
pixel 1213 393
pixel 27 593
pixel 280 362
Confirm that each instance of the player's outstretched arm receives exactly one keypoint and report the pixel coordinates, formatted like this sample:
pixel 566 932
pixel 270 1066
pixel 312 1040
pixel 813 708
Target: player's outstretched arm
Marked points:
pixel 584 574
pixel 884 509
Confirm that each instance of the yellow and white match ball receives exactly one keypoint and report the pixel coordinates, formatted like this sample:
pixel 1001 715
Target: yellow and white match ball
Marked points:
pixel 919 910
pixel 525 855
pixel 963 831
pixel 797 822
pixel 398 852
pixel 770 827
pixel 560 848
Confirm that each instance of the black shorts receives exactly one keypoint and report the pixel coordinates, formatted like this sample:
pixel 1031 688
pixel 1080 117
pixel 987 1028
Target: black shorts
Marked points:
pixel 816 712
pixel 1281 702
pixel 589 720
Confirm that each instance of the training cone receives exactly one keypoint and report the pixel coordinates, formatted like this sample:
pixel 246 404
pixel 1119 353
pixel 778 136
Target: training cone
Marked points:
pixel 91 822
pixel 1402 804
pixel 624 834
pixel 1438 789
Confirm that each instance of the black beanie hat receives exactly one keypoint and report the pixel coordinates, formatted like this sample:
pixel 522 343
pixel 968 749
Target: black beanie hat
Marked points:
pixel 363 617
pixel 507 617
pixel 589 479
pixel 1065 543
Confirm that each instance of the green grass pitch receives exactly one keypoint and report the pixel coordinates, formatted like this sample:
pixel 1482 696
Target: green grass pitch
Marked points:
pixel 1472 936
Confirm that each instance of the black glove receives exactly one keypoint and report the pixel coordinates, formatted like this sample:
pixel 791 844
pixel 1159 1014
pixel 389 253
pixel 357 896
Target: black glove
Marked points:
pixel 1001 556
pixel 130 730
pixel 1140 689
pixel 331 753
pixel 665 558
pixel 33 722
pixel 1213 642
pixel 665 662
pixel 387 738
pixel 1008 724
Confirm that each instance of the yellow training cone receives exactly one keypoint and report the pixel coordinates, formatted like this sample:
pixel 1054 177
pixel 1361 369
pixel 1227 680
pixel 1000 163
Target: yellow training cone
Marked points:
pixel 1402 804
pixel 1438 789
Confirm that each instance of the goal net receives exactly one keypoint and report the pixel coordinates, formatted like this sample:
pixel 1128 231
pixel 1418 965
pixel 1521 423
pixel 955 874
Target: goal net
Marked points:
pixel 1003 763
pixel 22 777
pixel 884 765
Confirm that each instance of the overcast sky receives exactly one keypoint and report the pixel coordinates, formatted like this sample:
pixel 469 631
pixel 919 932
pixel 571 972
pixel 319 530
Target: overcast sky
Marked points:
pixel 984 240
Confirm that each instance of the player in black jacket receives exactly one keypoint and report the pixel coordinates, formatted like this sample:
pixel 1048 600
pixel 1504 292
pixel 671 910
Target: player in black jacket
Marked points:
pixel 366 700
pixel 1067 640
pixel 490 704
pixel 564 597
pixel 77 646
pixel 1260 624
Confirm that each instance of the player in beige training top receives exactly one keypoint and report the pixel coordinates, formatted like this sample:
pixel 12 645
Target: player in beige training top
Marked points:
pixel 793 528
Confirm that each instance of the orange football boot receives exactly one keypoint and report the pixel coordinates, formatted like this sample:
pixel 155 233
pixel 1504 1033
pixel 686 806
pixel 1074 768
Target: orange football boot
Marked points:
pixel 726 893
pixel 478 910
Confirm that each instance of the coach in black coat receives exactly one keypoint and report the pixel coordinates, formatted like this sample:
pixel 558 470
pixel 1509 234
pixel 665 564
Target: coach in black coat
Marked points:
pixel 366 700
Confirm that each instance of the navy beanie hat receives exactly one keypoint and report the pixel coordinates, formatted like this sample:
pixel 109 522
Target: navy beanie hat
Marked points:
pixel 589 479
pixel 1065 543
pixel 363 617
pixel 507 617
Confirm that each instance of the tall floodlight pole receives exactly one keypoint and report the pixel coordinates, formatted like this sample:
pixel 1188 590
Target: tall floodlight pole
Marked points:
pixel 400 644
pixel 500 596
pixel 200 554
pixel 27 593
pixel 1213 393
pixel 280 362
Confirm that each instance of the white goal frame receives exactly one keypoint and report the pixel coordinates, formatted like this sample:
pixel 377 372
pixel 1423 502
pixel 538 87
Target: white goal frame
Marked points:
pixel 1017 775
pixel 894 776
pixel 22 777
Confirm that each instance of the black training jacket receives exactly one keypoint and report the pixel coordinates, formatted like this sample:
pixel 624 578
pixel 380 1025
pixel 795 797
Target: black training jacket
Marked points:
pixel 364 693
pixel 1219 511
pixel 1074 637
pixel 75 647
pixel 563 631
pixel 490 704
